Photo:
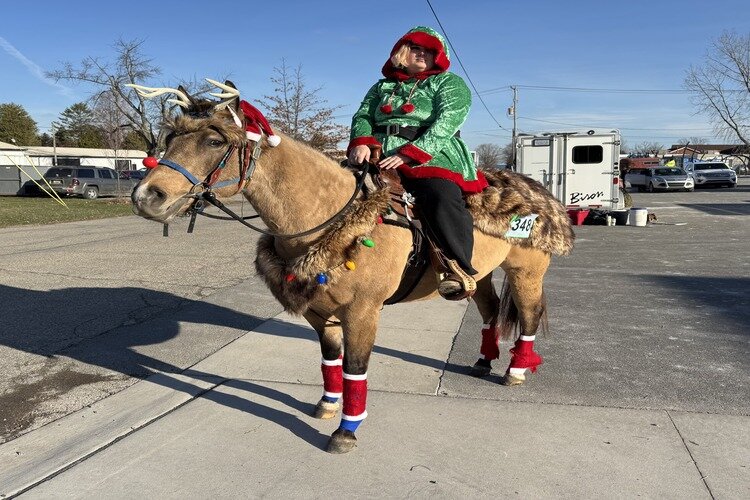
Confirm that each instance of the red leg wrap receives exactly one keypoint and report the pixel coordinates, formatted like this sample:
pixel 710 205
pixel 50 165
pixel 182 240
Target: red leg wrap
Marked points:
pixel 490 339
pixel 333 380
pixel 355 395
pixel 523 355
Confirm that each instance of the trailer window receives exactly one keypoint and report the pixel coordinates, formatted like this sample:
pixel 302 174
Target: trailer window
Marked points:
pixel 588 154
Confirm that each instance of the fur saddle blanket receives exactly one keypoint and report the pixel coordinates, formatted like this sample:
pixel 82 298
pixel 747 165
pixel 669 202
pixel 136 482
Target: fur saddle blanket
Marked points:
pixel 509 194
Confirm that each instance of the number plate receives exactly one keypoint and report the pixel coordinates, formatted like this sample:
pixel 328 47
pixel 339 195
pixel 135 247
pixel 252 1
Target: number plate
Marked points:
pixel 520 227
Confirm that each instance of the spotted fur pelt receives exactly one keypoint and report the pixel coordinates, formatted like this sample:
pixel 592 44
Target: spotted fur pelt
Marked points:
pixel 329 254
pixel 509 194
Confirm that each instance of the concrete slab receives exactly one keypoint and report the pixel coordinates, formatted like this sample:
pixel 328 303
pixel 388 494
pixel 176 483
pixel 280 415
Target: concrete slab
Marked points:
pixel 720 446
pixel 409 357
pixel 247 439
pixel 53 448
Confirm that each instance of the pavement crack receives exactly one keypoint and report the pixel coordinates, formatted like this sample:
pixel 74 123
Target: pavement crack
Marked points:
pixel 687 448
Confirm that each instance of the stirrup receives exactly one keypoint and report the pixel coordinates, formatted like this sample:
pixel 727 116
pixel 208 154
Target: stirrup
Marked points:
pixel 457 284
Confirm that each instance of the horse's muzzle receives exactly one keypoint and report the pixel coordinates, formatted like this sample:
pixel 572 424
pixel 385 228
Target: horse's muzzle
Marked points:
pixel 153 203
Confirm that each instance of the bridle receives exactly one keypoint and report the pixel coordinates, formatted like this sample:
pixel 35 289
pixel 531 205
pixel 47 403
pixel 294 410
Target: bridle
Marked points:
pixel 202 192
pixel 247 163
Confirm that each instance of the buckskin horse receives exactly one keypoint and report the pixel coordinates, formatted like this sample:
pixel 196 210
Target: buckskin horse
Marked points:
pixel 330 252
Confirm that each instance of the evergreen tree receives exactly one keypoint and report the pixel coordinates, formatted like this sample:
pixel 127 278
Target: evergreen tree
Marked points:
pixel 16 124
pixel 77 127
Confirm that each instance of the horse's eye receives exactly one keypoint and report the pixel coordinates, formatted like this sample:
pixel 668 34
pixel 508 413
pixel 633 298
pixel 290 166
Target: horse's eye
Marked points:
pixel 215 143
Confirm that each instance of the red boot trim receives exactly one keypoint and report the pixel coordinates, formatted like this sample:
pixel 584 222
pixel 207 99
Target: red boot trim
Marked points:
pixel 490 348
pixel 333 377
pixel 523 356
pixel 355 395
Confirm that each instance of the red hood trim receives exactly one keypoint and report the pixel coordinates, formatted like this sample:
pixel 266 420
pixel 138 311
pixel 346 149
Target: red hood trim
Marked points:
pixel 442 63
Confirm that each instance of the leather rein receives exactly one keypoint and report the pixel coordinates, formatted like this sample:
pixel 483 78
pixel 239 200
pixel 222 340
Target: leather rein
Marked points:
pixel 247 165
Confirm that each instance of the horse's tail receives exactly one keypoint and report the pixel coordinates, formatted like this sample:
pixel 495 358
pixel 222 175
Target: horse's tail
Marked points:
pixel 508 318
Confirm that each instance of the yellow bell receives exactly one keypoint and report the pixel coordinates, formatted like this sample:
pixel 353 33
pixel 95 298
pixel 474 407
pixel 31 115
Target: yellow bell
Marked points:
pixel 350 265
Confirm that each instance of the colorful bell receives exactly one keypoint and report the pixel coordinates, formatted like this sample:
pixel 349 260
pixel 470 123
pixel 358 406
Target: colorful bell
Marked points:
pixel 380 219
pixel 289 277
pixel 386 109
pixel 350 265
pixel 321 278
pixel 407 108
pixel 368 243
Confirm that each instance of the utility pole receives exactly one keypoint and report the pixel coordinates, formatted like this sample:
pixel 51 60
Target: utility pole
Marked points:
pixel 513 113
pixel 54 145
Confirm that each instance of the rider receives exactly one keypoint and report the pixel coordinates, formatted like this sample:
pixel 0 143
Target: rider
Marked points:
pixel 414 114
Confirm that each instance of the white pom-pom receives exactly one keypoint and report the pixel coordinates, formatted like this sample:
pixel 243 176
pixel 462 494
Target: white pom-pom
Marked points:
pixel 274 140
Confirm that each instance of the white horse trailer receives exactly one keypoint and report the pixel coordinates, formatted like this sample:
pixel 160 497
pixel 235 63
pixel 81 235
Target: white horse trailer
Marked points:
pixel 581 169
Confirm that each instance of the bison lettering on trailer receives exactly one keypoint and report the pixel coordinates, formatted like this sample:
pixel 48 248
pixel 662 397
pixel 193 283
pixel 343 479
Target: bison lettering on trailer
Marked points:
pixel 579 197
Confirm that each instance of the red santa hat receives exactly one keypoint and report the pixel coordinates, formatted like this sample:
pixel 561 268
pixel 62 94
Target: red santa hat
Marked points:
pixel 256 125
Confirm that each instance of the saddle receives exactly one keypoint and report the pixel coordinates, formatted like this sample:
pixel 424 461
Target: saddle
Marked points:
pixel 455 283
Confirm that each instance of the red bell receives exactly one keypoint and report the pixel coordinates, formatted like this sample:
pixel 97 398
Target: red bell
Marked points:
pixel 150 162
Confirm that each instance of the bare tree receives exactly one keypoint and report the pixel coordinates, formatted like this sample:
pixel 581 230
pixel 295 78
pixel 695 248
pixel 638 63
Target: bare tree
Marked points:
pixel 107 81
pixel 647 147
pixel 301 113
pixel 720 87
pixel 489 155
pixel 691 140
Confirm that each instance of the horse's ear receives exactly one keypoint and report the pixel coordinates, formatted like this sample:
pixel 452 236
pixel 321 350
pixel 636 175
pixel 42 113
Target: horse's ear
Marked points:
pixel 229 83
pixel 187 94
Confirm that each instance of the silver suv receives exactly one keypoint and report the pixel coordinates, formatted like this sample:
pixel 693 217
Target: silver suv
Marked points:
pixel 89 182
pixel 711 173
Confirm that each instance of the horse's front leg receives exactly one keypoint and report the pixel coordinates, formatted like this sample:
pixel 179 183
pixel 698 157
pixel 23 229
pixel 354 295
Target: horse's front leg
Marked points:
pixel 359 327
pixel 331 363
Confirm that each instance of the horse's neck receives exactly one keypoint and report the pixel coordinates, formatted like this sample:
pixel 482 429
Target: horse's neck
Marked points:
pixel 295 188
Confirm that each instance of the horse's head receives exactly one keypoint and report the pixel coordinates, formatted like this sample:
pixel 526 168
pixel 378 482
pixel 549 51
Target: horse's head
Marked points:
pixel 206 147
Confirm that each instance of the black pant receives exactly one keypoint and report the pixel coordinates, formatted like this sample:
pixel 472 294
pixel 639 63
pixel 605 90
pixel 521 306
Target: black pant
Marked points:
pixel 442 208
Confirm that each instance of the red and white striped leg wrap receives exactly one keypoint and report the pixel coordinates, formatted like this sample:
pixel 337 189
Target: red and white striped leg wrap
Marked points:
pixel 523 356
pixel 333 381
pixel 355 401
pixel 490 348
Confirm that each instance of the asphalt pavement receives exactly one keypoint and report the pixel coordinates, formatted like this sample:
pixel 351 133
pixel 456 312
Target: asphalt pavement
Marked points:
pixel 161 367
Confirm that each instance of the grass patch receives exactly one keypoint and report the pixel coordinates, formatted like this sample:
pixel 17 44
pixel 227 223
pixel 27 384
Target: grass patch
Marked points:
pixel 21 211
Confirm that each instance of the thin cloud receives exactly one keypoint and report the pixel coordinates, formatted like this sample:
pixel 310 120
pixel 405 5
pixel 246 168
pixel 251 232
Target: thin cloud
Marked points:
pixel 33 68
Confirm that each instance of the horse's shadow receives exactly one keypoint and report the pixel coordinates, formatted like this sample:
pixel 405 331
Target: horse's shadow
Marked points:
pixel 132 331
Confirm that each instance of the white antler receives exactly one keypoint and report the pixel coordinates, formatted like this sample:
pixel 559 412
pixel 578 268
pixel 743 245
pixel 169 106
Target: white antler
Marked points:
pixel 149 92
pixel 226 96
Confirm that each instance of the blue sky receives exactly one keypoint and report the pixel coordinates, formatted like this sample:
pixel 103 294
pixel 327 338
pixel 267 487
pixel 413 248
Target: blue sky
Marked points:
pixel 342 45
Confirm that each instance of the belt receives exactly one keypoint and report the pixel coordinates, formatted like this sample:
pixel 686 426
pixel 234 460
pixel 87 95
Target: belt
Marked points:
pixel 405 131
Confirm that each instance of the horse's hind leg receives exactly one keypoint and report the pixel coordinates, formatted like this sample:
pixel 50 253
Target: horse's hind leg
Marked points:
pixel 524 269
pixel 488 304
pixel 331 364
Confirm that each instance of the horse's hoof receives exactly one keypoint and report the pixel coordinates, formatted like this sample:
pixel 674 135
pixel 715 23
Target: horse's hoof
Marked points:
pixel 326 409
pixel 342 441
pixel 509 379
pixel 481 368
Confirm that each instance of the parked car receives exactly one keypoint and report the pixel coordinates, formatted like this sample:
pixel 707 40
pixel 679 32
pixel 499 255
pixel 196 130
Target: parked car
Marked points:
pixel 136 175
pixel 711 173
pixel 660 179
pixel 89 182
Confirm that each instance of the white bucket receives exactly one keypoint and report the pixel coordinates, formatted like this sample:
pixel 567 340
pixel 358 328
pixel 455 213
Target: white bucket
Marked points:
pixel 638 216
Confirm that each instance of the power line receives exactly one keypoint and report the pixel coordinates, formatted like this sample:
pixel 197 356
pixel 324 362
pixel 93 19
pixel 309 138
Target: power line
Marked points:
pixel 620 128
pixel 584 89
pixel 455 53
